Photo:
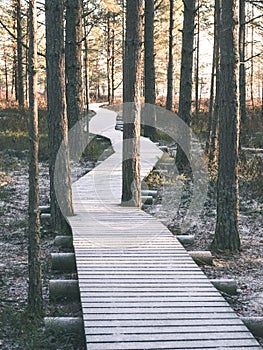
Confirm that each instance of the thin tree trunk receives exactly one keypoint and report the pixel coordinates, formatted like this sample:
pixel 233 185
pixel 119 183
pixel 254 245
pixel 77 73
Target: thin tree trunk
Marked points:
pixel 86 69
pixel 185 99
pixel 227 231
pixel 57 114
pixel 6 79
pixel 169 99
pixel 73 59
pixel 242 68
pixel 35 284
pixel 149 115
pixel 212 89
pixel 109 58
pixel 20 74
pixel 197 62
pixel 112 67
pixel 131 181
pixel 215 118
pixel 252 60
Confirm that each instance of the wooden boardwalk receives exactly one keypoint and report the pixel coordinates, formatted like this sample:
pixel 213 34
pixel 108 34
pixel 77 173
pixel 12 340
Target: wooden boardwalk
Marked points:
pixel 139 287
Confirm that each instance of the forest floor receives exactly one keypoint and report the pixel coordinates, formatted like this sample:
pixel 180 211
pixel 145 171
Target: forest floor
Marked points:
pixel 18 331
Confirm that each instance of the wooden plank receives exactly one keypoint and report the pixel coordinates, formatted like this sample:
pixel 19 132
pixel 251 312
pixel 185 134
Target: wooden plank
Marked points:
pixel 161 316
pixel 239 337
pixel 220 329
pixel 220 344
pixel 185 324
pixel 90 309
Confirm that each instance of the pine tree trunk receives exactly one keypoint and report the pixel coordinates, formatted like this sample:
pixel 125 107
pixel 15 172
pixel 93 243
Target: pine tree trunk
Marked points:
pixel 6 79
pixel 109 58
pixel 197 62
pixel 73 59
pixel 86 69
pixel 131 181
pixel 169 99
pixel 35 283
pixel 20 74
pixel 149 117
pixel 242 50
pixel 212 87
pixel 227 231
pixel 112 67
pixel 185 98
pixel 57 114
pixel 215 116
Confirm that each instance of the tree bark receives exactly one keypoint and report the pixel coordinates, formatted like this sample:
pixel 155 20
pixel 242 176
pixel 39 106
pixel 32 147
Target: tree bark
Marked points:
pixel 35 284
pixel 73 59
pixel 185 99
pixel 131 181
pixel 169 99
pixel 227 231
pixel 57 117
pixel 242 51
pixel 20 76
pixel 149 118
pixel 215 116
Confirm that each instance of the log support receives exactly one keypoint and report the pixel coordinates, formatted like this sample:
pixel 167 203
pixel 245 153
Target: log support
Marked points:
pixel 254 324
pixel 64 290
pixel 228 286
pixel 64 262
pixel 202 257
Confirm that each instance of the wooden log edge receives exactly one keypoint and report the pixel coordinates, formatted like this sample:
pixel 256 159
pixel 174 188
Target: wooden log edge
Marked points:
pixel 66 325
pixel 202 257
pixel 228 286
pixel 64 290
pixel 64 262
pixel 186 239
pixel 254 324
pixel 64 242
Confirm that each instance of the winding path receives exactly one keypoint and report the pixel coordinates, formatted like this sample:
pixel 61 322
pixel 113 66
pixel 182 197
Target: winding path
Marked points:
pixel 139 287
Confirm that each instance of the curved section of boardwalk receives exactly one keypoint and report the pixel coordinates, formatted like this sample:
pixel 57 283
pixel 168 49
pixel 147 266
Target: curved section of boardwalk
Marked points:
pixel 139 287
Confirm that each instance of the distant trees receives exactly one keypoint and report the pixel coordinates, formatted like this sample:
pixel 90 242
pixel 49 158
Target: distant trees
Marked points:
pixel 227 230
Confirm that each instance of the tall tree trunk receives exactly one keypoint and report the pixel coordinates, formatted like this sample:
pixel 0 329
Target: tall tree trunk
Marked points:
pixel 212 88
pixel 109 57
pixel 215 118
pixel 197 61
pixel 131 181
pixel 227 231
pixel 169 98
pixel 6 78
pixel 112 99
pixel 57 114
pixel 73 59
pixel 86 68
pixel 185 98
pixel 149 115
pixel 20 74
pixel 242 68
pixel 252 59
pixel 35 284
